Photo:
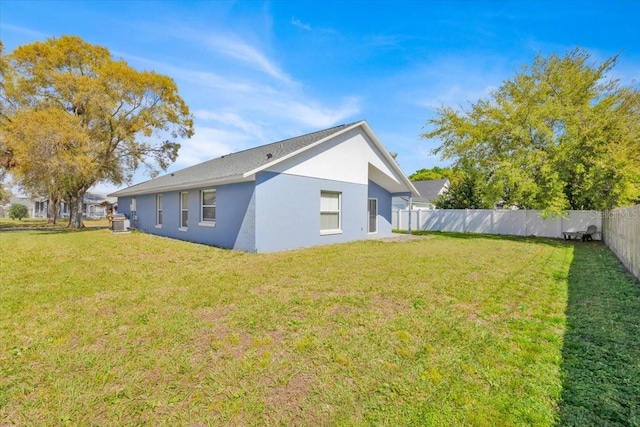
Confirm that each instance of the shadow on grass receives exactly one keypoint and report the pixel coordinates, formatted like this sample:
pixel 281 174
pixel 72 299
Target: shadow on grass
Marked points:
pixel 601 352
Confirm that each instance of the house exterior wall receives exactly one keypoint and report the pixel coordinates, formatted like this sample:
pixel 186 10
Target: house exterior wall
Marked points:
pixel 277 212
pixel 235 216
pixel 384 207
pixel 281 209
pixel 123 206
pixel 346 158
pixel 288 211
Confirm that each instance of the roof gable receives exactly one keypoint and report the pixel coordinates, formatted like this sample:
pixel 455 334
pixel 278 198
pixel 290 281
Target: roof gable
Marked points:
pixel 430 189
pixel 243 165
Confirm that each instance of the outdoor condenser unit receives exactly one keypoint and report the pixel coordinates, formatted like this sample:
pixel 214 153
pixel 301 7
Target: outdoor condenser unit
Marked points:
pixel 120 225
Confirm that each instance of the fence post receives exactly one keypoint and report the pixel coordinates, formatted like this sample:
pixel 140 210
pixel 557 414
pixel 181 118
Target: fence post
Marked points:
pixel 409 219
pixel 493 226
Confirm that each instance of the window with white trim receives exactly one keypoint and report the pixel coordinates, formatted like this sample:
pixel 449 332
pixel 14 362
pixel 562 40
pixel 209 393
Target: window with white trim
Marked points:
pixel 159 209
pixel 330 215
pixel 184 210
pixel 208 206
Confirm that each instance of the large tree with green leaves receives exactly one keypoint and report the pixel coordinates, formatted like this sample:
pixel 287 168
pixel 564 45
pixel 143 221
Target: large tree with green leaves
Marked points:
pixel 435 172
pixel 54 154
pixel 74 116
pixel 466 191
pixel 559 135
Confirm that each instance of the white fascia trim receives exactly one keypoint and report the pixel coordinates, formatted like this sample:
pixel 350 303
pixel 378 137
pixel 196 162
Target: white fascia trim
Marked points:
pixel 388 157
pixel 199 184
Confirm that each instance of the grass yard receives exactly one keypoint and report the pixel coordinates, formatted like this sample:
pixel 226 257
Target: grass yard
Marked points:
pixel 42 223
pixel 449 330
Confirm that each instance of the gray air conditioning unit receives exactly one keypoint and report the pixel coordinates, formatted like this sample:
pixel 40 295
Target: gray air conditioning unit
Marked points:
pixel 120 225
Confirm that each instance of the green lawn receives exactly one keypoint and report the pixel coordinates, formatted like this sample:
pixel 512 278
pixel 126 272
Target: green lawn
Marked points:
pixel 131 329
pixel 42 223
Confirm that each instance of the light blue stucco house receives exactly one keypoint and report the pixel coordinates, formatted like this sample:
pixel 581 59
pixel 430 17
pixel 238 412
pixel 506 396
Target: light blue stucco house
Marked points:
pixel 330 186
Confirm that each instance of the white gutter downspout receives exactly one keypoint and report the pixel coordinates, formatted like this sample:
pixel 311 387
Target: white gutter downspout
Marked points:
pixel 410 208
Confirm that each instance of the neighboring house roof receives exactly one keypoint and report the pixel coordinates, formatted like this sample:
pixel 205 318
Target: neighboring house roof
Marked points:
pixel 430 190
pixel 92 198
pixel 243 165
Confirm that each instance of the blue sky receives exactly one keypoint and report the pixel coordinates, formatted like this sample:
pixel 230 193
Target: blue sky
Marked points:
pixel 255 72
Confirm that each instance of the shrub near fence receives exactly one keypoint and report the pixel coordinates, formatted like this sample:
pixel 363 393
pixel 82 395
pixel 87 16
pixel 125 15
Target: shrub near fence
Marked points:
pixel 622 235
pixel 493 221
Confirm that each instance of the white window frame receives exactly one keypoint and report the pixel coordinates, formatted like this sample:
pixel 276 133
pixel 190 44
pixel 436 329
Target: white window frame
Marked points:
pixel 328 211
pixel 369 200
pixel 183 208
pixel 207 222
pixel 159 212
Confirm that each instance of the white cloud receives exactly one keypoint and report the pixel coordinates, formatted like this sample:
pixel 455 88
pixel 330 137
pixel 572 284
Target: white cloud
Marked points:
pixel 208 143
pixel 233 120
pixel 313 114
pixel 238 49
pixel 296 22
pixel 234 110
pixel 23 30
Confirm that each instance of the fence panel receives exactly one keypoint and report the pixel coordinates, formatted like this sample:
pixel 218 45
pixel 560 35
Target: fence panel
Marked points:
pixel 512 223
pixel 452 220
pixel 508 222
pixel 621 228
pixel 479 221
pixel 580 220
pixel 430 220
pixel 537 225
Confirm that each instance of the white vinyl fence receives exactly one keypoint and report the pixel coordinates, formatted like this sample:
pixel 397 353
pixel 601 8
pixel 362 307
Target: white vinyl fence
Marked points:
pixel 622 235
pixel 493 221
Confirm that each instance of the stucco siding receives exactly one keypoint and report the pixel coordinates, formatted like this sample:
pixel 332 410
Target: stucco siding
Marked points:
pixel 347 158
pixel 123 206
pixel 384 207
pixel 288 211
pixel 235 216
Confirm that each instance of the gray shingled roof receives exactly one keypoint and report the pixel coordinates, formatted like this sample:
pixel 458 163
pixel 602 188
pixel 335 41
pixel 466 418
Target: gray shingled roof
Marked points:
pixel 229 166
pixel 429 190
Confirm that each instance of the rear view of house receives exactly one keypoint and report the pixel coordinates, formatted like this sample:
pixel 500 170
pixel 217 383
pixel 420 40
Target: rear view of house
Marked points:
pixel 330 186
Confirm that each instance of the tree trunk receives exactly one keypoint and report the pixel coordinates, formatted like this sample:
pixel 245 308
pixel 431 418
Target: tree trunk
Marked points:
pixel 54 205
pixel 75 203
